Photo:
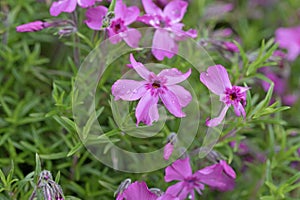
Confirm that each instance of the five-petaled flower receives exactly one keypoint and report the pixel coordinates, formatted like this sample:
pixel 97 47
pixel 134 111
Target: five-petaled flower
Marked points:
pixel 118 28
pixel 219 176
pixel 151 89
pixel 69 6
pixel 217 81
pixel 289 38
pixel 168 27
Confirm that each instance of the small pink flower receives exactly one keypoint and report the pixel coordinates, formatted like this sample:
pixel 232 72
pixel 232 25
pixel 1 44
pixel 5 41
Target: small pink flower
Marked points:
pixel 168 26
pixel 151 89
pixel 69 6
pixel 136 191
pixel 219 176
pixel 33 26
pixel 217 81
pixel 289 38
pixel 118 29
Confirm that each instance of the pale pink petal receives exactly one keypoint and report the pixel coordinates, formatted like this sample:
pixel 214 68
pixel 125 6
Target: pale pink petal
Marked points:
pixel 138 191
pixel 58 7
pixel 239 110
pixel 113 37
pixel 179 170
pixel 94 17
pixel 128 14
pixel 216 79
pixel 168 150
pixel 216 121
pixel 174 76
pixel 163 45
pixel 85 3
pixel 181 34
pixel 175 10
pixel 146 110
pixel 151 8
pixel 171 102
pixel 182 94
pixel 140 68
pixel 229 171
pixel 128 90
pixel 147 19
pixel 132 37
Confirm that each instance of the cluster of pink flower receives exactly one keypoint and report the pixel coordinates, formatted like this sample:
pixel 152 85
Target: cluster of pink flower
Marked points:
pixel 219 176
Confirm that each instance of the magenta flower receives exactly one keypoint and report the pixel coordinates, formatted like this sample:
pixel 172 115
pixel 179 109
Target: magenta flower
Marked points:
pixel 219 176
pixel 168 27
pixel 118 29
pixel 135 191
pixel 33 26
pixel 289 38
pixel 217 81
pixel 151 89
pixel 69 6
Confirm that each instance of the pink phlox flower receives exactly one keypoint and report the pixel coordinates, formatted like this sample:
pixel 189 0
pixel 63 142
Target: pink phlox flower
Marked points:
pixel 151 89
pixel 219 176
pixel 33 26
pixel 217 81
pixel 118 29
pixel 69 6
pixel 289 38
pixel 181 171
pixel 168 26
pixel 136 191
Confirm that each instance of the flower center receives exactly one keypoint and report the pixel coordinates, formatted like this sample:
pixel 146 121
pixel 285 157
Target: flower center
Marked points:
pixel 233 96
pixel 118 26
pixel 156 84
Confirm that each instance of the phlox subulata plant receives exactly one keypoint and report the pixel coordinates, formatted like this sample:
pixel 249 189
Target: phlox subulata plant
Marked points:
pixel 150 99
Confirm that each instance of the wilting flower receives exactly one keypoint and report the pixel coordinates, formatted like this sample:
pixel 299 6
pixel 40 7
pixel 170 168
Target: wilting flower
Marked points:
pixel 219 176
pixel 151 89
pixel 168 26
pixel 33 26
pixel 69 6
pixel 118 26
pixel 135 191
pixel 289 38
pixel 217 81
pixel 50 189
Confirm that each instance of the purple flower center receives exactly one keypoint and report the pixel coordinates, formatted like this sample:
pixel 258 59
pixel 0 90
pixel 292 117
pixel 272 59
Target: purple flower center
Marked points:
pixel 118 26
pixel 234 96
pixel 193 182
